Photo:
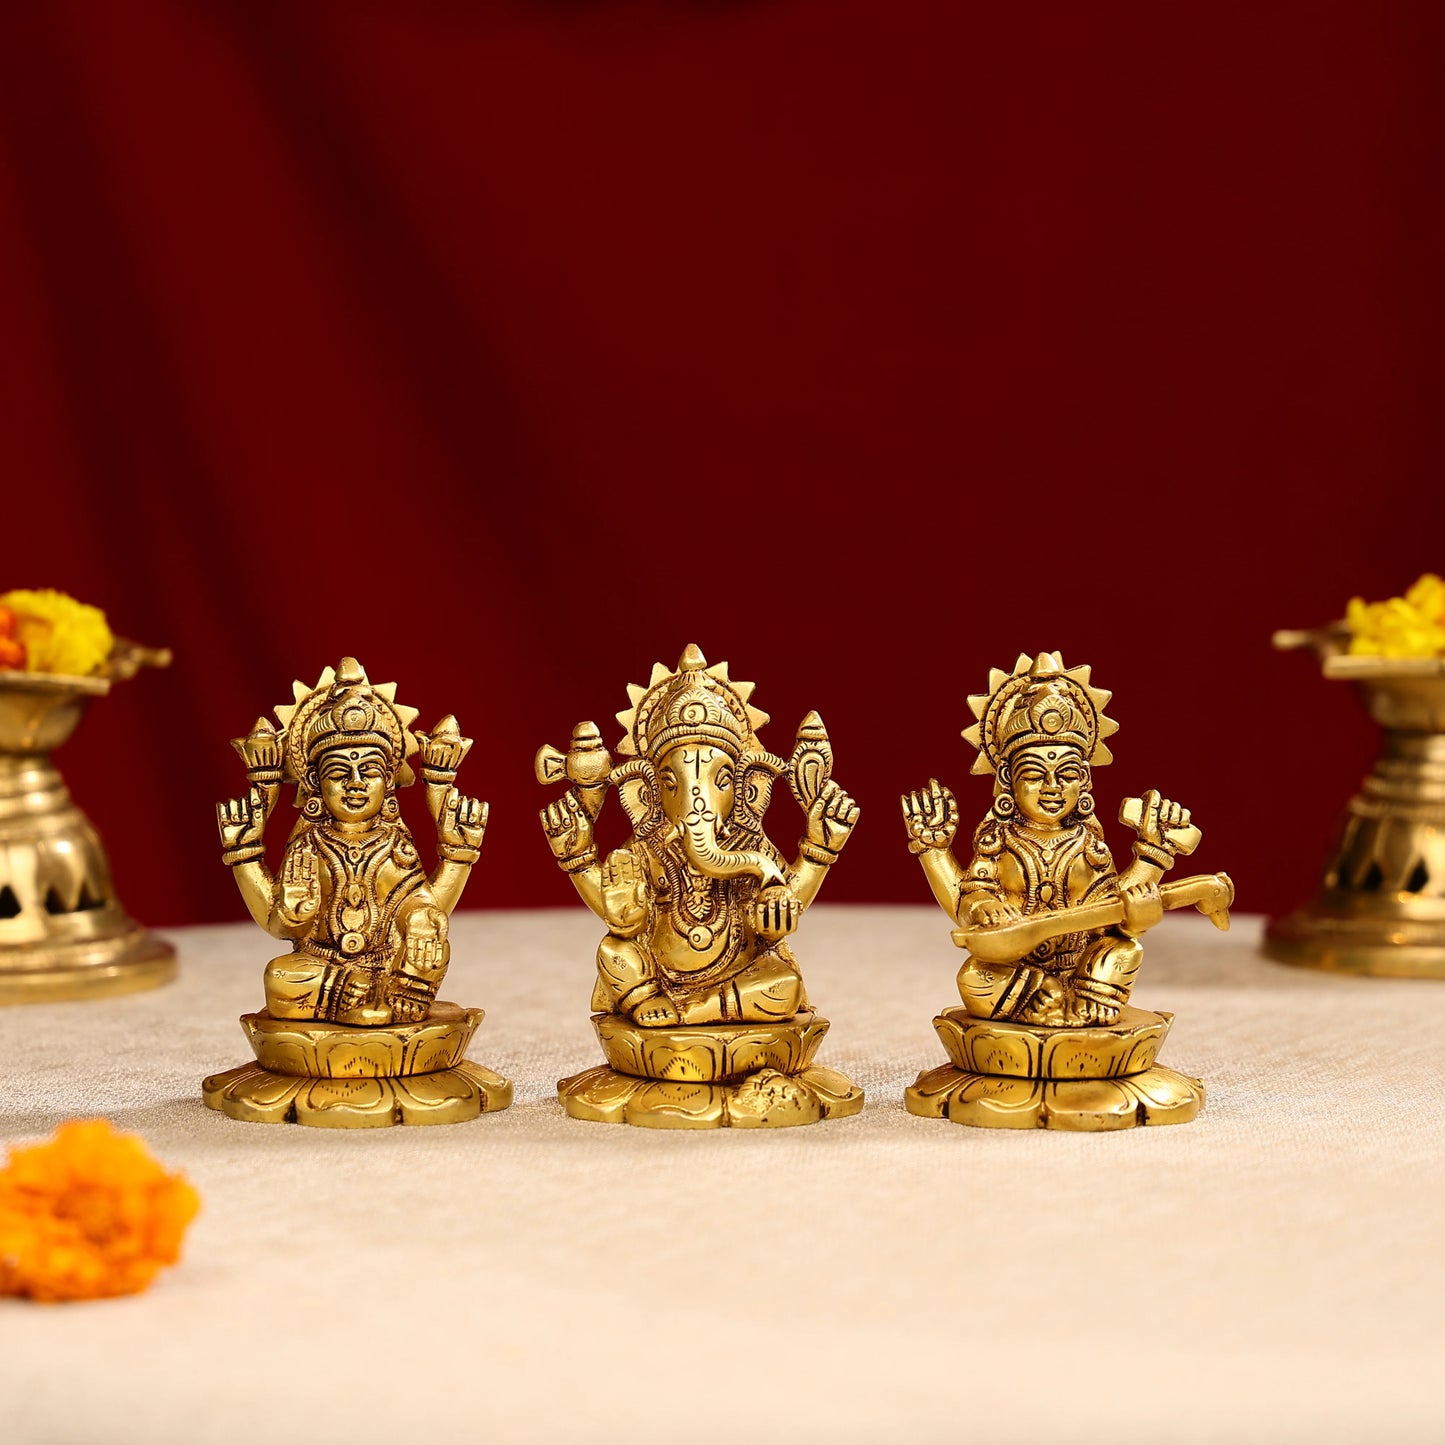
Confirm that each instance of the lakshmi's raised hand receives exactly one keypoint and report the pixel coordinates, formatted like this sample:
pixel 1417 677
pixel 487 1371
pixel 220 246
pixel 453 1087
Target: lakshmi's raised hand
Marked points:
pixel 242 821
pixel 462 822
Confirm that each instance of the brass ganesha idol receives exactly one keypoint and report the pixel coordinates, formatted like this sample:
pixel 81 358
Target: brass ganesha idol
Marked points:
pixel 353 1034
pixel 1046 1036
pixel 699 1002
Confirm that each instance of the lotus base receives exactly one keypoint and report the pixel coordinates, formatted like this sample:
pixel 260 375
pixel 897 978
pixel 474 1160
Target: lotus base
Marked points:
pixel 332 1076
pixel 1004 1075
pixel 710 1076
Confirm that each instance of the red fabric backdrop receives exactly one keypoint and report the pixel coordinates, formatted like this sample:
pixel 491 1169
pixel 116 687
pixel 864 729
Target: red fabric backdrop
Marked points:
pixel 511 346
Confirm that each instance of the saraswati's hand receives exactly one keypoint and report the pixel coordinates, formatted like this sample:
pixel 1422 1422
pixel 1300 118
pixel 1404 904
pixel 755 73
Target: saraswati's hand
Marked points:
pixel 1160 818
pixel 1143 908
pixel 993 913
pixel 931 817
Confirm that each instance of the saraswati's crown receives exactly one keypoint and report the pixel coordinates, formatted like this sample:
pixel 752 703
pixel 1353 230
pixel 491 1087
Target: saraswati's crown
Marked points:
pixel 694 703
pixel 1039 702
pixel 344 710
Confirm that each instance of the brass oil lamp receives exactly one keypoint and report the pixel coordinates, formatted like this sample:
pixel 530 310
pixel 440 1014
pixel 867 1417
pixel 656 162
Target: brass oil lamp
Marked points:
pixel 63 932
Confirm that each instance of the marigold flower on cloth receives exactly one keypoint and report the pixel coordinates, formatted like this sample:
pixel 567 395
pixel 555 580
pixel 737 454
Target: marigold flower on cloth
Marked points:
pixel 12 650
pixel 88 1213
pixel 59 633
pixel 1408 626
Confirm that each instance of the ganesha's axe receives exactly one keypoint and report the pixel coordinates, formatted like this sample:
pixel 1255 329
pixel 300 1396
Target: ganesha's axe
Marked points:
pixel 1211 893
pixel 586 764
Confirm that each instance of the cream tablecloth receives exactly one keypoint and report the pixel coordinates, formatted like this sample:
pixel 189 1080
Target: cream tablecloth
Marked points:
pixel 1272 1272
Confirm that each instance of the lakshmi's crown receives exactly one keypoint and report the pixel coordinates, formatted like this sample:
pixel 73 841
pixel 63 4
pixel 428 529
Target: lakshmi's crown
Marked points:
pixel 1039 702
pixel 694 704
pixel 344 710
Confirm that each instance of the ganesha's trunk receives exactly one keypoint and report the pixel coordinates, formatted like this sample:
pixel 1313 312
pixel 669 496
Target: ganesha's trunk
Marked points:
pixel 709 857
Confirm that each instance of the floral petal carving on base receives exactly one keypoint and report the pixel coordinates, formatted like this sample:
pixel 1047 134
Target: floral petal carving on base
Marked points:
pixel 998 1101
pixel 314 1049
pixel 1033 1051
pixel 765 1099
pixel 711 1053
pixel 445 1096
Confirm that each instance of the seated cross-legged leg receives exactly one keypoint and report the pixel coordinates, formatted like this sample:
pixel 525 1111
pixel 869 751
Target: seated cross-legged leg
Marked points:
pixel 627 984
pixel 1105 977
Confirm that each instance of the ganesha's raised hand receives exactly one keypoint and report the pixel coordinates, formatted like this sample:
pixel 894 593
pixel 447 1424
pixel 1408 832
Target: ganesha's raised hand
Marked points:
pixel 568 827
pixel 461 826
pixel 242 825
pixel 931 817
pixel 832 818
pixel 300 893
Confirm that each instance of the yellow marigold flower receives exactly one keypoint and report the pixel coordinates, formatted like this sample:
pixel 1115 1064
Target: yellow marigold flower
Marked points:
pixel 87 1214
pixel 1408 626
pixel 59 633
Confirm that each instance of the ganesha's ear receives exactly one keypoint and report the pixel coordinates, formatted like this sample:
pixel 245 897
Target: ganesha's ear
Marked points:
pixel 636 784
pixel 756 773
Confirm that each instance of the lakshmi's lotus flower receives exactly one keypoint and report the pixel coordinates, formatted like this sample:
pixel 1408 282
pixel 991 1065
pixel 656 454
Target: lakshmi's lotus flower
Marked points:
pixel 1408 626
pixel 88 1213
pixel 59 634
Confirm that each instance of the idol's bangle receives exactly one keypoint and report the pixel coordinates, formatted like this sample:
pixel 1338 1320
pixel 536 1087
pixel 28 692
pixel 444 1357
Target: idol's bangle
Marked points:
pixel 456 853
pixel 817 853
pixel 1156 857
pixel 234 857
pixel 578 861
pixel 264 777
pixel 438 777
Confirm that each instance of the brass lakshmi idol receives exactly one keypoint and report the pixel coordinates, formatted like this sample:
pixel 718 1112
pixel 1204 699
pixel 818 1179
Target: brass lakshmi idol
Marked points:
pixel 353 1034
pixel 699 1003
pixel 1046 1036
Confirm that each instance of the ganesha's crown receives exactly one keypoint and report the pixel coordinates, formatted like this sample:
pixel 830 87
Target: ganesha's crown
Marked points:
pixel 694 703
pixel 1039 702
pixel 345 710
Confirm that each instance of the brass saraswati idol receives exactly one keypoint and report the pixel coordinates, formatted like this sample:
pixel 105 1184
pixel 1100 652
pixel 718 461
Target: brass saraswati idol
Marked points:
pixel 699 1003
pixel 1046 1036
pixel 353 1034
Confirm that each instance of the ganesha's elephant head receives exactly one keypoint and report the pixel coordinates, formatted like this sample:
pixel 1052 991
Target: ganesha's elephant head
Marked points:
pixel 691 795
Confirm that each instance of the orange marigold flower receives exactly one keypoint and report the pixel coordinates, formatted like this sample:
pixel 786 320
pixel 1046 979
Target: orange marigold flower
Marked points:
pixel 12 650
pixel 88 1213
